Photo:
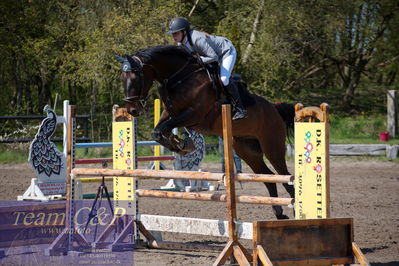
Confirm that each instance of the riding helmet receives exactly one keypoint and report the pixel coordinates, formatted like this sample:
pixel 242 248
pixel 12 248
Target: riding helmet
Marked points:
pixel 178 24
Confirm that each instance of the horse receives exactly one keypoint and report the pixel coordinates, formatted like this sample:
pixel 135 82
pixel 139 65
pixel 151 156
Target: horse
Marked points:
pixel 190 100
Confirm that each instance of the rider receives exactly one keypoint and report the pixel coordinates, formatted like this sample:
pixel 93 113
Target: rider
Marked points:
pixel 210 48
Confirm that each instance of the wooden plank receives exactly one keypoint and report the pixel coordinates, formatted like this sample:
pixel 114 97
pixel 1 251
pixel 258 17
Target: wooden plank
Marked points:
pixel 183 246
pixel 255 254
pixel 229 171
pixel 129 227
pixel 239 255
pixel 244 251
pixel 194 226
pixel 215 197
pixel 358 149
pixel 305 239
pixel 304 223
pixel 312 261
pixel 225 254
pixel 264 259
pixel 359 255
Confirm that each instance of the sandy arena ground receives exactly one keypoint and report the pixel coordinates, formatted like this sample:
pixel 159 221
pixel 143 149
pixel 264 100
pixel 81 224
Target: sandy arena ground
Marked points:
pixel 365 189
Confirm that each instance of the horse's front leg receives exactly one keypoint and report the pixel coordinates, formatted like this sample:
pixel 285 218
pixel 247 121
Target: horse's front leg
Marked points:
pixel 162 133
pixel 158 135
pixel 156 132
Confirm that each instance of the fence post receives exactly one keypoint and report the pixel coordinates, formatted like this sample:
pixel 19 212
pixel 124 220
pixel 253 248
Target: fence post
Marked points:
pixel 392 110
pixel 157 115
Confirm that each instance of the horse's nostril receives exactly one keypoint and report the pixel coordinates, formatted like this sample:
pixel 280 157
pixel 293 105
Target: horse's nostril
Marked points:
pixel 134 112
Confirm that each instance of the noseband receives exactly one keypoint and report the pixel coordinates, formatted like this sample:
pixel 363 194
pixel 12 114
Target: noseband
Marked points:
pixel 138 70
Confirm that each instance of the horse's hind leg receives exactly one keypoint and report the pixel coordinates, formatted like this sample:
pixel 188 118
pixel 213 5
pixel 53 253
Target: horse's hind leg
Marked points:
pixel 250 151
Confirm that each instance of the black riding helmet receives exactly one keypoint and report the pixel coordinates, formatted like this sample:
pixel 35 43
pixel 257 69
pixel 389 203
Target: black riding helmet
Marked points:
pixel 178 24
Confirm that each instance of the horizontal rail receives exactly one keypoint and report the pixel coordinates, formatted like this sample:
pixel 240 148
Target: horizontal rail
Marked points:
pixel 214 197
pixel 168 174
pixel 33 117
pixel 95 179
pixel 110 160
pixel 109 144
pixel 30 140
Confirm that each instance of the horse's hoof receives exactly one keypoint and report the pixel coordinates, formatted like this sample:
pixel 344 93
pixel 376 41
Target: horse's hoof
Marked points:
pixel 186 146
pixel 189 145
pixel 282 217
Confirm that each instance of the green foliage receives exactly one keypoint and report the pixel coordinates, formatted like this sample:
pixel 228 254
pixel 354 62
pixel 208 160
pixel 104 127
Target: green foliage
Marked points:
pixel 340 52
pixel 364 128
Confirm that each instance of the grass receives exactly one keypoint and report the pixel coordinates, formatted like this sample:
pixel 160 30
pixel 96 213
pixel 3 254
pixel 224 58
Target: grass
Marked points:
pixel 13 156
pixel 358 130
pixel 362 129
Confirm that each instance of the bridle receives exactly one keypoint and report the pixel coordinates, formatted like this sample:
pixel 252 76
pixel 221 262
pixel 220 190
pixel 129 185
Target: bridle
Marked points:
pixel 137 69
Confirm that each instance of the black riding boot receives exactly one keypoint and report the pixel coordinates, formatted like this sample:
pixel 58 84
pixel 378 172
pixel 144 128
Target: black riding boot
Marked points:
pixel 238 109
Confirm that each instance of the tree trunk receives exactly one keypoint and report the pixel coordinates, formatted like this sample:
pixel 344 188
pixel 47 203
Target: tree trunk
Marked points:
pixel 72 92
pixel 252 38
pixel 29 100
pixel 354 79
pixel 45 93
pixel 192 9
pixel 17 101
pixel 93 105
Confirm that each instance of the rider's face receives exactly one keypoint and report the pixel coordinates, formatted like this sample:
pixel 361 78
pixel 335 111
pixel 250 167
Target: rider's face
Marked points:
pixel 178 36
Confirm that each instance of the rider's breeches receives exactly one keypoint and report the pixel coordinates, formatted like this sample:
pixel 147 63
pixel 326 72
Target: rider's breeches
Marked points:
pixel 227 67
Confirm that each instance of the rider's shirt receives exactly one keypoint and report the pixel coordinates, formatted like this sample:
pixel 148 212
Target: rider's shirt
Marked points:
pixel 211 48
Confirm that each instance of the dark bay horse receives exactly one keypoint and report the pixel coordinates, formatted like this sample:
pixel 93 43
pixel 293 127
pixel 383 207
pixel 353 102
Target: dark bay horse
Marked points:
pixel 190 100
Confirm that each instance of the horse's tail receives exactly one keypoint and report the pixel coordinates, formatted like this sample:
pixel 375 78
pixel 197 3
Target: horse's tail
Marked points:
pixel 287 112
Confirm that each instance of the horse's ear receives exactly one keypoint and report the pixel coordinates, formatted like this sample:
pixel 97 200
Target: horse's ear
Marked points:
pixel 130 60
pixel 120 59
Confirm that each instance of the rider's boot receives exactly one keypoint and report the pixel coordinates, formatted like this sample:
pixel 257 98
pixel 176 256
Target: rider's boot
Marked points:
pixel 238 108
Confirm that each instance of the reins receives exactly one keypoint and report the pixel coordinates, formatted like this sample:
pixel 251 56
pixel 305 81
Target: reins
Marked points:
pixel 164 84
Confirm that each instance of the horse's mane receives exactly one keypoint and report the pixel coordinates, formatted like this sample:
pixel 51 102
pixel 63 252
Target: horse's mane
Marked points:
pixel 149 53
